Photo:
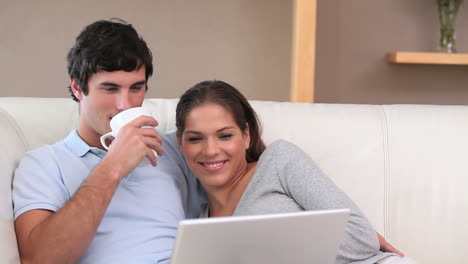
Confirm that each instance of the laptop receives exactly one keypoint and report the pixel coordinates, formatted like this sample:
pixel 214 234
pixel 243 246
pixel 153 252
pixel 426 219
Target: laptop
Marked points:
pixel 302 237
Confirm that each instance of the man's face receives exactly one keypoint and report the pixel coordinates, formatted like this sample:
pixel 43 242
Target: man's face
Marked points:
pixel 109 93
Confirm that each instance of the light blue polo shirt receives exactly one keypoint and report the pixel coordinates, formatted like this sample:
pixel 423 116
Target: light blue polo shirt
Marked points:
pixel 141 221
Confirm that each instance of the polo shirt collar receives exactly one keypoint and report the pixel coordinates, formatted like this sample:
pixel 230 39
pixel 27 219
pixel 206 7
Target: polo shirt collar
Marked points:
pixel 74 142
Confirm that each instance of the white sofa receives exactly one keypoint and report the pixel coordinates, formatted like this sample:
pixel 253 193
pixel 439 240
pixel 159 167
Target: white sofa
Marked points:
pixel 406 166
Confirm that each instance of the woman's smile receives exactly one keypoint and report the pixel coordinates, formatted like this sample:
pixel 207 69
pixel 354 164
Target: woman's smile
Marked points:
pixel 214 165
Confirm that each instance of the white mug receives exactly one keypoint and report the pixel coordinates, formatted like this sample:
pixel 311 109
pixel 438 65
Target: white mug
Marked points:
pixel 120 120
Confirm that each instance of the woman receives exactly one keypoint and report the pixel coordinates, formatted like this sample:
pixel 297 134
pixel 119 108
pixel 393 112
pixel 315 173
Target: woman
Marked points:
pixel 220 137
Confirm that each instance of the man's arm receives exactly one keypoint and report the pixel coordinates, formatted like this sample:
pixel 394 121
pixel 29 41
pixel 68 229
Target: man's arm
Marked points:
pixel 62 237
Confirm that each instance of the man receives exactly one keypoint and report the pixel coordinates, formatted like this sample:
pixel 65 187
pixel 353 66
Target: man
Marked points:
pixel 75 202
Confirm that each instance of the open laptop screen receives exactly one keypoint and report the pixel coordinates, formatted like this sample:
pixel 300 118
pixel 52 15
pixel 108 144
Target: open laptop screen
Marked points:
pixel 301 237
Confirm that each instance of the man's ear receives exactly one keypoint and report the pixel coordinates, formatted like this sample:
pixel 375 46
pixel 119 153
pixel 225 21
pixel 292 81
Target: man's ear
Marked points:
pixel 76 89
pixel 179 141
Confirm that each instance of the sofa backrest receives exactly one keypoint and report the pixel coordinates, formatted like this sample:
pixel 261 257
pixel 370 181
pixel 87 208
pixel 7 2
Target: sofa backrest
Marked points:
pixel 404 165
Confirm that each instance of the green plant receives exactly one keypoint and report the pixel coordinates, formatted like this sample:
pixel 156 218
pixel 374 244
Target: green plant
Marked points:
pixel 448 10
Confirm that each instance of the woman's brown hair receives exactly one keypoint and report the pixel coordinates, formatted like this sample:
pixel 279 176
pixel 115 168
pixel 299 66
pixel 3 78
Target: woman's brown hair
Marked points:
pixel 223 94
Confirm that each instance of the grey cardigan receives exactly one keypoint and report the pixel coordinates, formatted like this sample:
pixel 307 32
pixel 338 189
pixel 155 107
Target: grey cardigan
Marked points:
pixel 286 179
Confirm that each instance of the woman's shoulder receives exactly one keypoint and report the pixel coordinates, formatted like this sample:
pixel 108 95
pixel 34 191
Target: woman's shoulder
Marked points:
pixel 283 150
pixel 282 145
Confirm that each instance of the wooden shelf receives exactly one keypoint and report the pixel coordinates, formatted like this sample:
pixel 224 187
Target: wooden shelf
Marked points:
pixel 428 58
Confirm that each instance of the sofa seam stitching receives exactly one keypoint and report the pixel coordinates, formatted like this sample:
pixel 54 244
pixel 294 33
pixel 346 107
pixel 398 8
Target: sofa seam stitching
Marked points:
pixel 386 170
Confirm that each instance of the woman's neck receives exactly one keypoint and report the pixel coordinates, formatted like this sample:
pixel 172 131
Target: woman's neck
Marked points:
pixel 223 201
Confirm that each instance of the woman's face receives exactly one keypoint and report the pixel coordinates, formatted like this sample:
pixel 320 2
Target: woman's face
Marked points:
pixel 214 146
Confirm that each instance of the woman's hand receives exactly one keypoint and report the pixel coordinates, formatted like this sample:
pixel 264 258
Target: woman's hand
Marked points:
pixel 386 247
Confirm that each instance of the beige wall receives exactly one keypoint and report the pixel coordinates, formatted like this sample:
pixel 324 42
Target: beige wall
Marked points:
pixel 244 42
pixel 352 38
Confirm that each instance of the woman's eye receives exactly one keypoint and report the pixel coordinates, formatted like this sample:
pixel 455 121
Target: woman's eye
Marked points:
pixel 226 136
pixel 194 139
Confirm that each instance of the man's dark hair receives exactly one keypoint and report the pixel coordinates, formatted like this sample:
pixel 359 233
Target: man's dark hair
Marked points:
pixel 107 45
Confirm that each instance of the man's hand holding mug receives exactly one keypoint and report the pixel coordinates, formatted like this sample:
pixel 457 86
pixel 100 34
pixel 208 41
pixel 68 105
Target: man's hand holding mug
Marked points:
pixel 135 140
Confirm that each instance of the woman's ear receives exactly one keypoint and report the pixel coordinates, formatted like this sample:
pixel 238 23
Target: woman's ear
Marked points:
pixel 246 135
pixel 76 89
